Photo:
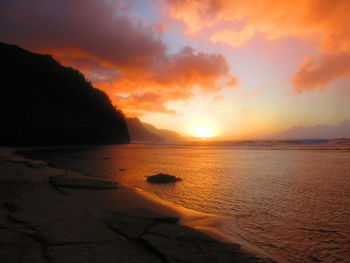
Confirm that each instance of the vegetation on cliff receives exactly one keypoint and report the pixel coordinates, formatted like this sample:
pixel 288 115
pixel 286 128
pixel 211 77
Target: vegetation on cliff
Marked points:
pixel 45 103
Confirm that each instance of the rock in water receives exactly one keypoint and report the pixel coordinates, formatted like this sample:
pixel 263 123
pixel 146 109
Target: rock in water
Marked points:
pixel 82 183
pixel 162 179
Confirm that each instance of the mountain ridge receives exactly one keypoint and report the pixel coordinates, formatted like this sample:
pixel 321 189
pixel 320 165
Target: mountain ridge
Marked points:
pixel 45 103
pixel 145 132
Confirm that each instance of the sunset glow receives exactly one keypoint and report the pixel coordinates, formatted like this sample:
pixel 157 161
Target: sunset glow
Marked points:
pixel 203 132
pixel 258 68
pixel 176 130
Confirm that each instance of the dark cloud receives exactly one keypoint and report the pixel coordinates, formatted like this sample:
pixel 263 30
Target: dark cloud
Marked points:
pixel 114 48
pixel 96 29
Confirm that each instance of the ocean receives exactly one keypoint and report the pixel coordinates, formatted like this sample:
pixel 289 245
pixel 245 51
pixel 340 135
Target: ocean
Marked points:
pixel 291 199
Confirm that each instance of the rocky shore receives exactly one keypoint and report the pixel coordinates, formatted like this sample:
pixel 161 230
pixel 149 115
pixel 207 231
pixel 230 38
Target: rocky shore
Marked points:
pixel 52 215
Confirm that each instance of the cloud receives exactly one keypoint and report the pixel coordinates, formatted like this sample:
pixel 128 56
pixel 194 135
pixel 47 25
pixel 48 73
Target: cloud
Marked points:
pixel 95 29
pixel 188 68
pixel 316 73
pixel 148 101
pixel 322 22
pixel 117 51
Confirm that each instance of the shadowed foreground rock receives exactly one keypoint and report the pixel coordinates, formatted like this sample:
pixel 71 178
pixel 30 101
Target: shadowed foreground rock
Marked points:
pixel 82 183
pixel 41 222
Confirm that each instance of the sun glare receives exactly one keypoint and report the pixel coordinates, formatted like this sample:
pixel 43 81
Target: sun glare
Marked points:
pixel 203 132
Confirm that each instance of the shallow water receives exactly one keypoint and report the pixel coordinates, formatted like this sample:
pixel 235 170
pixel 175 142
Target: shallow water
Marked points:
pixel 290 201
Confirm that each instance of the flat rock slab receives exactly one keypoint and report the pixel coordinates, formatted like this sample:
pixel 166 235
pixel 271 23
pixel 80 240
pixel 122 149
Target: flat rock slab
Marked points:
pixel 80 230
pixel 82 183
pixel 146 214
pixel 29 163
pixel 182 244
pixel 129 226
pixel 134 224
pixel 101 253
pixel 17 248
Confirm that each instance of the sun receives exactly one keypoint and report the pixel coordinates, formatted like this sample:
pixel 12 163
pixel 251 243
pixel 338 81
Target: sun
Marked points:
pixel 204 132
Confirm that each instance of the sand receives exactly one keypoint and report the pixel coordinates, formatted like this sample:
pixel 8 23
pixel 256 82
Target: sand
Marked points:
pixel 49 214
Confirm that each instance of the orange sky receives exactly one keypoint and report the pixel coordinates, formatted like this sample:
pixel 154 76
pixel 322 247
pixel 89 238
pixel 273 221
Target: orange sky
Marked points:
pixel 245 68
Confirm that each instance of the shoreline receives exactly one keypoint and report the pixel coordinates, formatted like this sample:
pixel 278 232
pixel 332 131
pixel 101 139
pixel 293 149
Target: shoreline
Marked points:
pixel 209 224
pixel 126 198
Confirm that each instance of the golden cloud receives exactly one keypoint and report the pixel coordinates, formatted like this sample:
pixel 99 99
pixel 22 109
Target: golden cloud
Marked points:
pixel 117 51
pixel 324 22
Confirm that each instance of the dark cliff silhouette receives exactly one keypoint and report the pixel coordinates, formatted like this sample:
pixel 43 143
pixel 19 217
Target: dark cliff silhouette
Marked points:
pixel 168 135
pixel 138 133
pixel 45 103
pixel 145 132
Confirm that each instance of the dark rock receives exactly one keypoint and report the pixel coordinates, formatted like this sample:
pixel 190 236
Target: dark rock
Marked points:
pixel 51 164
pixel 146 214
pixel 16 247
pixel 162 179
pixel 126 251
pixel 182 244
pixel 11 206
pixel 34 165
pixel 130 226
pixel 134 224
pixel 82 183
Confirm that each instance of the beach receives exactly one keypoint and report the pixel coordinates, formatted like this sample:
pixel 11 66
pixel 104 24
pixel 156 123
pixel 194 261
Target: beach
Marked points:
pixel 174 131
pixel 43 221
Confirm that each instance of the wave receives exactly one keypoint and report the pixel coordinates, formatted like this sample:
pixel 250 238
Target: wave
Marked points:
pixel 341 144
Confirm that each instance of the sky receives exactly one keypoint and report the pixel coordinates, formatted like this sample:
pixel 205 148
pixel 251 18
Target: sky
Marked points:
pixel 238 69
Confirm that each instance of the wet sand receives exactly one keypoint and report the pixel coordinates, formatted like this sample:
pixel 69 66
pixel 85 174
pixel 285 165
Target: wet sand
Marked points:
pixel 43 220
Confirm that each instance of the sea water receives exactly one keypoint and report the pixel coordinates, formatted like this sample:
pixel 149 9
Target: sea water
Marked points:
pixel 291 200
